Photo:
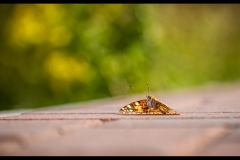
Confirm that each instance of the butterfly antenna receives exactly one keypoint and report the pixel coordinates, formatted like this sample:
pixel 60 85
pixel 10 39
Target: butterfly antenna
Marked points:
pixel 133 87
pixel 148 87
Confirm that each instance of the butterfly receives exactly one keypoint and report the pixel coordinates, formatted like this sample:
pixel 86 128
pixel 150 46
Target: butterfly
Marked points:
pixel 147 106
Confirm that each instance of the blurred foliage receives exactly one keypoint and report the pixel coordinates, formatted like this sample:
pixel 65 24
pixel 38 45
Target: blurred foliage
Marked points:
pixel 61 53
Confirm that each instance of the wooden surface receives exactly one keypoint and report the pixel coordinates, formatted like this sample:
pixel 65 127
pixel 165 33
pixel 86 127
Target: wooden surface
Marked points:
pixel 209 125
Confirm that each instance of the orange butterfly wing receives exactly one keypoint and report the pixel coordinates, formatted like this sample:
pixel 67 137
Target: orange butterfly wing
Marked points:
pixel 138 107
pixel 164 109
pixel 141 107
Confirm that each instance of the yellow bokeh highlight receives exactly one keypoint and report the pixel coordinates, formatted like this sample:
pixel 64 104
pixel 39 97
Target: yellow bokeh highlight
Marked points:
pixel 60 36
pixel 53 13
pixel 36 23
pixel 65 68
pixel 25 26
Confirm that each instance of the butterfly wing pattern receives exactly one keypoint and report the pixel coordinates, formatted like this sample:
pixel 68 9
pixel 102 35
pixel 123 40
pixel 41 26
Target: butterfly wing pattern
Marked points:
pixel 147 106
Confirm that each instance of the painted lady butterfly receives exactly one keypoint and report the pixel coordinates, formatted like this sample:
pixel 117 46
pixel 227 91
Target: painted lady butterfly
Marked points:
pixel 147 106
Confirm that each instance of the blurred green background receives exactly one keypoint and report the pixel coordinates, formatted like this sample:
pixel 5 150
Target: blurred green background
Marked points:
pixel 52 54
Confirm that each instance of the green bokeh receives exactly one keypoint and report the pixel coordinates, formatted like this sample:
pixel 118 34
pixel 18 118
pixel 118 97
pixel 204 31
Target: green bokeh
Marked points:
pixel 62 53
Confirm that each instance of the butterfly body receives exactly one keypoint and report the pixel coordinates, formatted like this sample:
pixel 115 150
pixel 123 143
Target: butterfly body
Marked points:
pixel 147 106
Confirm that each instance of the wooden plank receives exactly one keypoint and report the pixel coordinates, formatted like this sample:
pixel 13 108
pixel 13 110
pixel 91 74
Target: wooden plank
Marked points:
pixel 209 125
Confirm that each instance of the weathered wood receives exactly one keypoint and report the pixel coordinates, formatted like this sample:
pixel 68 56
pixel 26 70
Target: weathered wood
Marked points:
pixel 209 125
